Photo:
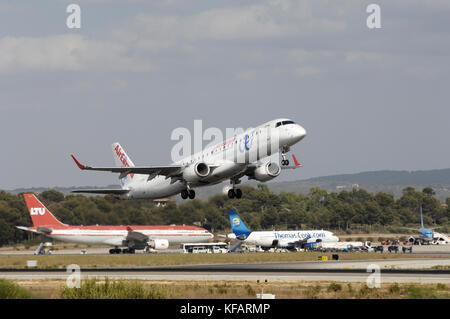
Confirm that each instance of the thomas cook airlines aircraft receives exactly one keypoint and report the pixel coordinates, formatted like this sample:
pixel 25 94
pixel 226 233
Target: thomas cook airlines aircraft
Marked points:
pixel 231 160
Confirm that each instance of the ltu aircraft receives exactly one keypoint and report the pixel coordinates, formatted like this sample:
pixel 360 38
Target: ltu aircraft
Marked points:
pixel 289 239
pixel 235 158
pixel 131 237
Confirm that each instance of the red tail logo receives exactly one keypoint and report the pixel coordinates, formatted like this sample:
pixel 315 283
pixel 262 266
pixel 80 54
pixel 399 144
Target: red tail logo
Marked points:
pixel 37 211
pixel 122 157
pixel 40 215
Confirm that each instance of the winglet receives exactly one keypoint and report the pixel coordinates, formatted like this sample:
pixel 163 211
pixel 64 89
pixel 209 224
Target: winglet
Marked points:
pixel 81 166
pixel 296 161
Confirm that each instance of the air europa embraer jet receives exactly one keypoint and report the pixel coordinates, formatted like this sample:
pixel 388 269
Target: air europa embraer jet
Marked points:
pixel 131 237
pixel 233 159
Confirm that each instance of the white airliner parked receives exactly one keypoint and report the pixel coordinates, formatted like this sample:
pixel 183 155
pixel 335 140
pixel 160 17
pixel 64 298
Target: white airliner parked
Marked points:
pixel 131 237
pixel 233 159
pixel 289 239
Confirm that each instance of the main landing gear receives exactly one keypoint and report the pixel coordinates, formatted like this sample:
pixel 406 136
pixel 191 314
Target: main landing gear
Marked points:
pixel 234 192
pixel 188 193
pixel 117 250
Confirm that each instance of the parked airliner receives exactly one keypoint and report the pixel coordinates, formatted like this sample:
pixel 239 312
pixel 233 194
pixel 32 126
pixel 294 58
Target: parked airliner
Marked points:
pixel 289 239
pixel 426 235
pixel 131 237
pixel 231 160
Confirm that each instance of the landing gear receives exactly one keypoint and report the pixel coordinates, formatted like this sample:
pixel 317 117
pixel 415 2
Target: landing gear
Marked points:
pixel 284 161
pixel 128 251
pixel 234 192
pixel 188 193
pixel 115 250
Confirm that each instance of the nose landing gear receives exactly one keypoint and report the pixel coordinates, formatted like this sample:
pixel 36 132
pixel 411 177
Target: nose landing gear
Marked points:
pixel 284 161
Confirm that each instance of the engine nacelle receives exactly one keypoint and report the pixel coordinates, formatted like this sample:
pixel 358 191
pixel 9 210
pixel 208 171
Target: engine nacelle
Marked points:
pixel 196 172
pixel 158 244
pixel 267 171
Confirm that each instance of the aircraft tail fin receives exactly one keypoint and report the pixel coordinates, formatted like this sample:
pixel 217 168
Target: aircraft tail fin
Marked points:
pixel 421 217
pixel 121 159
pixel 39 214
pixel 237 225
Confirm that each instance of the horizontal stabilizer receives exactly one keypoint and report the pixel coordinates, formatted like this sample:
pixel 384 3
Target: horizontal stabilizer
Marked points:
pixel 102 191
pixel 165 170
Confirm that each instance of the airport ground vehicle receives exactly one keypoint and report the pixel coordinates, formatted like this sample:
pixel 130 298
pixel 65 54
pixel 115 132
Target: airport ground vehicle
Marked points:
pixel 195 248
pixel 393 248
pixel 440 239
pixel 407 249
pixel 379 249
pixel 44 249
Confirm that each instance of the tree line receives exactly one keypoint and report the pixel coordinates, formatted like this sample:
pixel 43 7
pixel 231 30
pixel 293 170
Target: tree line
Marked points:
pixel 260 209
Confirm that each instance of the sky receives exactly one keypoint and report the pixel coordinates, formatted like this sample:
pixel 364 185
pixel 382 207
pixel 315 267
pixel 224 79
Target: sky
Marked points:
pixel 370 99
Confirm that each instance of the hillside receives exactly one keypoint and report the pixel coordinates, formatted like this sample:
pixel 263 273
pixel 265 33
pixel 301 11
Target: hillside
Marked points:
pixel 392 182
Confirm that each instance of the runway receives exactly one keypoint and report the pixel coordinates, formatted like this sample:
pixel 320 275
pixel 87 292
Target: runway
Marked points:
pixel 426 250
pixel 345 271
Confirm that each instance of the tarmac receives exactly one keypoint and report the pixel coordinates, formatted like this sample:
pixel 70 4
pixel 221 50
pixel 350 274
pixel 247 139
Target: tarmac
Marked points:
pixel 417 270
pixel 413 271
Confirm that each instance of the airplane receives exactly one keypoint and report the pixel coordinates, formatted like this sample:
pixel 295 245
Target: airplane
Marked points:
pixel 131 237
pixel 426 235
pixel 289 239
pixel 233 159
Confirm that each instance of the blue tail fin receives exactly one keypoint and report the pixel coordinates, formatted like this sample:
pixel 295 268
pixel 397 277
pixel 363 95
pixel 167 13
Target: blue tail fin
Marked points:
pixel 237 225
pixel 421 217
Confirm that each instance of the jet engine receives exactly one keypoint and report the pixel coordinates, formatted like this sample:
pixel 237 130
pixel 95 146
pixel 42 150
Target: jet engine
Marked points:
pixel 196 172
pixel 267 171
pixel 158 244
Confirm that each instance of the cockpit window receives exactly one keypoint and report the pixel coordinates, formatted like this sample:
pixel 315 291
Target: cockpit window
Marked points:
pixel 284 123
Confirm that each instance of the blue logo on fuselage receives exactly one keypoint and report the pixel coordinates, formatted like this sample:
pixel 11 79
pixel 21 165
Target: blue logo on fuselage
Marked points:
pixel 247 143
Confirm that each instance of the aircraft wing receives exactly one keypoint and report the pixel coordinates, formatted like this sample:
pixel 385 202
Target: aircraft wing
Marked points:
pixel 102 191
pixel 136 236
pixel 169 170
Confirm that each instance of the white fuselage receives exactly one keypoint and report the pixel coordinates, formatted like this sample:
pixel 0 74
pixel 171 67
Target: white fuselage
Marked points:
pixel 115 236
pixel 285 238
pixel 231 158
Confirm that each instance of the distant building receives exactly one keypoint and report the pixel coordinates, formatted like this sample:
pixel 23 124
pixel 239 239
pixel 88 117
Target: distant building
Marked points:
pixel 162 201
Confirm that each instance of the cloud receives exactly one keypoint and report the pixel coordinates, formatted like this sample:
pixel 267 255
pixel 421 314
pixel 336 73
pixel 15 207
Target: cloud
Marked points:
pixel 70 52
pixel 268 19
pixel 307 71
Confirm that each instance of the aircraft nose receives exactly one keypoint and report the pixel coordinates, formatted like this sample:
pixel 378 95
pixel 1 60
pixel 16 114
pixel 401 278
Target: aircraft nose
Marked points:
pixel 299 133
